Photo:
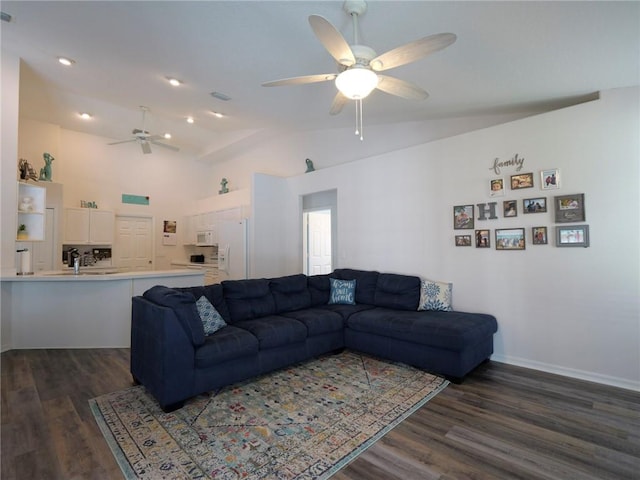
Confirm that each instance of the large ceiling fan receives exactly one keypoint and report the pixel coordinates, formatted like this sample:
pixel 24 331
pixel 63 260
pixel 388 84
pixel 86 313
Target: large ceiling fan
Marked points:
pixel 358 65
pixel 144 138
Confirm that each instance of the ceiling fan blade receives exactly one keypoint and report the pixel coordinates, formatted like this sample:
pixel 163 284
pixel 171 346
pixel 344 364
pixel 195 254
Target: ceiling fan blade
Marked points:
pixel 122 141
pixel 324 77
pixel 339 101
pixel 146 147
pixel 400 88
pixel 332 40
pixel 164 145
pixel 411 52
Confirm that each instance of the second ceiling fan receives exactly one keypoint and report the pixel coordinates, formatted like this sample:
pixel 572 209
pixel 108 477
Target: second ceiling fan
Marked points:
pixel 358 65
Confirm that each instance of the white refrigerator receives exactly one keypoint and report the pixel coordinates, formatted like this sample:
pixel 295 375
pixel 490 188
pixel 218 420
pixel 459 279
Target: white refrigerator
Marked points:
pixel 232 250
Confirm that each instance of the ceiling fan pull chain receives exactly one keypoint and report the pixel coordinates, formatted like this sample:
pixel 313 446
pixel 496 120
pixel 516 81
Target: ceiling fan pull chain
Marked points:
pixel 359 126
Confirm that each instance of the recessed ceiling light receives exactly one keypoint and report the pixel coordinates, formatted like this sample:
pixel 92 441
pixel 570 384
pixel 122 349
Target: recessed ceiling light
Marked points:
pixel 217 114
pixel 174 81
pixel 85 116
pixel 190 120
pixel 67 62
pixel 167 135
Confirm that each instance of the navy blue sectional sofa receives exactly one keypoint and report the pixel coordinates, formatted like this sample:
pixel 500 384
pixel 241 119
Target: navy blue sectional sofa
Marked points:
pixel 273 323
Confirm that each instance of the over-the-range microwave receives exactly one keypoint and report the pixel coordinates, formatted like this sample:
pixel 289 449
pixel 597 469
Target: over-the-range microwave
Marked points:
pixel 205 238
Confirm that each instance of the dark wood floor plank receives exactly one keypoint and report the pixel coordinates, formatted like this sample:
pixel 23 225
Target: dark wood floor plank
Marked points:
pixel 502 422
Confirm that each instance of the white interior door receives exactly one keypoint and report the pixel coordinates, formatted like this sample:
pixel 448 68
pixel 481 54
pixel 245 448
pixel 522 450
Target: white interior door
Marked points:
pixel 133 248
pixel 318 242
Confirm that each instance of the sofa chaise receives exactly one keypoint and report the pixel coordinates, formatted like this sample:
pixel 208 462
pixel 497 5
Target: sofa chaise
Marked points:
pixel 267 324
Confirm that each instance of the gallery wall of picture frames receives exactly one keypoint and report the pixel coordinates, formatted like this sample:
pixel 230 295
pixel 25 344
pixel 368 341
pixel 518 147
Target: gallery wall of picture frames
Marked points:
pixel 468 220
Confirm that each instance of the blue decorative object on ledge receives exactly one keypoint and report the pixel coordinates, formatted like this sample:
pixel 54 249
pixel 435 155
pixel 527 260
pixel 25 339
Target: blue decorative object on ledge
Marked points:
pixel 45 172
pixel 309 166
pixel 223 186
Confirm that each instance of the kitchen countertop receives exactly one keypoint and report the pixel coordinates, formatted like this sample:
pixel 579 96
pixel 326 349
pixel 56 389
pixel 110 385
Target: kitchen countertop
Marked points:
pixel 194 264
pixel 95 275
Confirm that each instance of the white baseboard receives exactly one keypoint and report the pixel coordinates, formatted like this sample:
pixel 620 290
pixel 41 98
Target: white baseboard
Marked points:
pixel 569 372
pixel 5 348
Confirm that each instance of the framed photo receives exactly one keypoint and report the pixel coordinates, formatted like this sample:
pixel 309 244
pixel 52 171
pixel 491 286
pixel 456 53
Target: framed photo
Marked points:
pixel 463 240
pixel 550 179
pixel 539 235
pixel 497 187
pixel 463 217
pixel 569 208
pixel 572 236
pixel 482 239
pixel 510 239
pixel 510 208
pixel 534 205
pixel 523 180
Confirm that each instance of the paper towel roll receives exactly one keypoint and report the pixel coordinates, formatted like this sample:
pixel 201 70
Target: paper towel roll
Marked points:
pixel 25 263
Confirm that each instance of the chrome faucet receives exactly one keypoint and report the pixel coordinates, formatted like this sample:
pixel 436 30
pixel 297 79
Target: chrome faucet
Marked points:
pixel 76 265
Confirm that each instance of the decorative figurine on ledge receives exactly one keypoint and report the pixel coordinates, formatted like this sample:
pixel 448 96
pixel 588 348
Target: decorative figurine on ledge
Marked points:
pixel 45 172
pixel 309 166
pixel 26 171
pixel 223 186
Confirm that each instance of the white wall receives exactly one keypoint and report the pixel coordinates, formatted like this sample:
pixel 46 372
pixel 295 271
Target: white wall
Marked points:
pixel 9 85
pixel 572 311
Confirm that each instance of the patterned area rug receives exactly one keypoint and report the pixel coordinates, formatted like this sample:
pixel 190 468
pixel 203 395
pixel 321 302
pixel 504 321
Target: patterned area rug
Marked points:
pixel 303 422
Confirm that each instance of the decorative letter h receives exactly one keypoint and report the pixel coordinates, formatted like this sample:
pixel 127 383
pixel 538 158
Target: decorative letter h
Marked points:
pixel 487 208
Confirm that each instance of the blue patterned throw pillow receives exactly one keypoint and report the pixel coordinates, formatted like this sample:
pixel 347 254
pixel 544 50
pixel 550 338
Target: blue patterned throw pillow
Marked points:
pixel 212 321
pixel 435 296
pixel 343 292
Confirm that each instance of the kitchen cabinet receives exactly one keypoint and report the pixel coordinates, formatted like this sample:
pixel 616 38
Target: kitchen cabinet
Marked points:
pixel 88 226
pixel 31 212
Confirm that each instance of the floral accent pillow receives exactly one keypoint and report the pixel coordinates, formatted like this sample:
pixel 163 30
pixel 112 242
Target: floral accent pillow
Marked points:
pixel 212 321
pixel 435 296
pixel 343 292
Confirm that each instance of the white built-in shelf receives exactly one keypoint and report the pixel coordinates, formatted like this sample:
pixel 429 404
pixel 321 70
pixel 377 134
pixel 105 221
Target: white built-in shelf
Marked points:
pixel 31 203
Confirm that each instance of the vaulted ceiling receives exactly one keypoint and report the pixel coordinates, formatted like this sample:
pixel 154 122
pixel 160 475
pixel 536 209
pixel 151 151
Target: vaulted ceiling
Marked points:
pixel 509 57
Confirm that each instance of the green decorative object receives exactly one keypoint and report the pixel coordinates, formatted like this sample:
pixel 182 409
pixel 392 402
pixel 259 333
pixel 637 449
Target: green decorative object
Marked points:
pixel 223 186
pixel 45 172
pixel 309 166
pixel 22 232
pixel 135 199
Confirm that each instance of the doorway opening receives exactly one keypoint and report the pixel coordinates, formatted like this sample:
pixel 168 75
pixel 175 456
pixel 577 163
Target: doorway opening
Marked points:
pixel 319 232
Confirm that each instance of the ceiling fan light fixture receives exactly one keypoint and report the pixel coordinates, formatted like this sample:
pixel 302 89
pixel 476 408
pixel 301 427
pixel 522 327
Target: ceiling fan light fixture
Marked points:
pixel 217 114
pixel 167 135
pixel 85 116
pixel 356 83
pixel 174 81
pixel 190 120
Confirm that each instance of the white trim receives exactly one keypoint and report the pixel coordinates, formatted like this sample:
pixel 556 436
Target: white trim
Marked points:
pixel 569 372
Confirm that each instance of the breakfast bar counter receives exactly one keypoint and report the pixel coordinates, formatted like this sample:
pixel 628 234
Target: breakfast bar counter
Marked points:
pixel 89 310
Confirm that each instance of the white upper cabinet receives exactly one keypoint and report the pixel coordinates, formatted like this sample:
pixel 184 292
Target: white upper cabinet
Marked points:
pixel 88 226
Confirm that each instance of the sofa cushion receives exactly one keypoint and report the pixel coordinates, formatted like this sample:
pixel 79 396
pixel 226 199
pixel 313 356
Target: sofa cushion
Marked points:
pixel 290 293
pixel 228 343
pixel 212 321
pixel 366 282
pixel 345 311
pixel 343 292
pixel 400 292
pixel 214 294
pixel 183 305
pixel 320 288
pixel 435 296
pixel 317 320
pixel 248 299
pixel 274 330
pixel 447 330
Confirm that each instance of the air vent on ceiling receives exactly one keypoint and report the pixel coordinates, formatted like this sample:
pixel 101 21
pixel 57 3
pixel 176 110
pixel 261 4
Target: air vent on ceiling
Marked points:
pixel 220 96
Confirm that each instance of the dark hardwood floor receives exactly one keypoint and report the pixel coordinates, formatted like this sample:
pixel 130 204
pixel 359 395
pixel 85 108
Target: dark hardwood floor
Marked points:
pixel 503 422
